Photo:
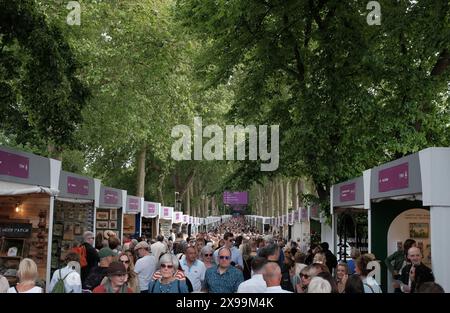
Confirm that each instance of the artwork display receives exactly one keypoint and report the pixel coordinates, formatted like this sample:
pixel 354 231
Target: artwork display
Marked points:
pixel 102 224
pixel 102 215
pixel 71 220
pixel 419 230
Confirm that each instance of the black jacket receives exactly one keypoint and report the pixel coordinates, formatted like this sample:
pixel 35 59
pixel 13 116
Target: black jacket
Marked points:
pixel 423 274
pixel 92 261
pixel 95 277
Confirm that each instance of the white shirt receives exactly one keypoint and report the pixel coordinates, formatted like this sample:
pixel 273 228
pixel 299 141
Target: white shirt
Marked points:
pixel 276 289
pixel 145 267
pixel 256 284
pixel 72 283
pixel 4 284
pixel 32 290
pixel 195 273
pixel 371 285
pixel 236 256
pixel 157 249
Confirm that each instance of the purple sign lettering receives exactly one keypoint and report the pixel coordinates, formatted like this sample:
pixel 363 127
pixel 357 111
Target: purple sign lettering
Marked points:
pixel 303 214
pixel 14 165
pixel 348 192
pixel 111 197
pixel 77 186
pixel 133 204
pixel 393 178
pixel 166 212
pixel 151 208
pixel 235 198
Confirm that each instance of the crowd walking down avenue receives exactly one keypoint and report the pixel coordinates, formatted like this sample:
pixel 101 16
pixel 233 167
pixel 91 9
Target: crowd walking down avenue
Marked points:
pixel 230 258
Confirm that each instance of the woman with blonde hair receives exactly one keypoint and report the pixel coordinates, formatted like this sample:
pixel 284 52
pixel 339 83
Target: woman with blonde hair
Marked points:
pixel 27 275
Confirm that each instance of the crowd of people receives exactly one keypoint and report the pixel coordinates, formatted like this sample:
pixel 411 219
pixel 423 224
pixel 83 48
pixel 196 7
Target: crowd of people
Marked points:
pixel 232 258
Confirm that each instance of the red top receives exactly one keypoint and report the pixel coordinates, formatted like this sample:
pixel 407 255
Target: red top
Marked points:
pixel 101 289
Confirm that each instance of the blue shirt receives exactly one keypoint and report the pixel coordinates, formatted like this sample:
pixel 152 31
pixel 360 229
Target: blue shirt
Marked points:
pixel 228 282
pixel 176 286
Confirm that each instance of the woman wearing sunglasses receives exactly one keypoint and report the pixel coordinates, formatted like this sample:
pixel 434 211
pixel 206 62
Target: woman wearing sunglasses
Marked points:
pixel 116 281
pixel 168 282
pixel 305 279
pixel 207 256
pixel 132 278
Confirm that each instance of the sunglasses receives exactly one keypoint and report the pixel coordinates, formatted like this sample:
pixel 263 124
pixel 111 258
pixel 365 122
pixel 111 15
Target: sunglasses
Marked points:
pixel 208 254
pixel 304 275
pixel 166 266
pixel 125 261
pixel 224 257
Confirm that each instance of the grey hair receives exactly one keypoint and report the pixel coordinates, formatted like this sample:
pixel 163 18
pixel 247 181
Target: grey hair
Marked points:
pixel 87 234
pixel 205 250
pixel 319 285
pixel 169 258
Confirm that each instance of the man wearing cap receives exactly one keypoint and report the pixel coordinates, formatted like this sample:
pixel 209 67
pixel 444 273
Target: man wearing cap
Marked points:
pixel 117 280
pixel 145 266
pixel 98 273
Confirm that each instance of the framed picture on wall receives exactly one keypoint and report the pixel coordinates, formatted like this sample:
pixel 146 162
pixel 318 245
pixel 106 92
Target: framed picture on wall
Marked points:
pixel 419 230
pixel 102 215
pixel 113 214
pixel 113 224
pixel 78 229
pixel 58 229
pixel 102 224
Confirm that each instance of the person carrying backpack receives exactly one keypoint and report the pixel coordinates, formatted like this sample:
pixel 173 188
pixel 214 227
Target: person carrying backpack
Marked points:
pixel 67 279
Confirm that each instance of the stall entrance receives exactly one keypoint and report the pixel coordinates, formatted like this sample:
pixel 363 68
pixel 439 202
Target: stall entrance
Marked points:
pixel 414 224
pixel 70 221
pixel 352 232
pixel 24 234
pixel 383 214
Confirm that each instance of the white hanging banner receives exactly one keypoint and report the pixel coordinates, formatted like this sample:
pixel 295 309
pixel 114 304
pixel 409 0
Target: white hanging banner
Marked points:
pixel 166 213
pixel 185 219
pixel 177 217
pixel 151 209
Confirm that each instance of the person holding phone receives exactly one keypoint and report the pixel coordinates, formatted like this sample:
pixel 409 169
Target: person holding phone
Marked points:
pixel 416 273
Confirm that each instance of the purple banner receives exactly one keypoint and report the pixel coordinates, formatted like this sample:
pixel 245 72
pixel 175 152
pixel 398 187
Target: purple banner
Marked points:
pixel 151 209
pixel 14 165
pixel 304 214
pixel 348 192
pixel 111 197
pixel 186 219
pixel 315 211
pixel 77 186
pixel 233 198
pixel 133 204
pixel 297 216
pixel 393 178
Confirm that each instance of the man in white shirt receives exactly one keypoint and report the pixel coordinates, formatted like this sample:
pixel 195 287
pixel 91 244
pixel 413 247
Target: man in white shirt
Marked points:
pixel 272 276
pixel 193 268
pixel 236 256
pixel 72 279
pixel 256 284
pixel 159 247
pixel 145 266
